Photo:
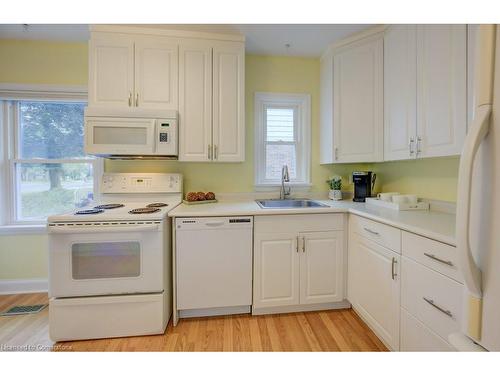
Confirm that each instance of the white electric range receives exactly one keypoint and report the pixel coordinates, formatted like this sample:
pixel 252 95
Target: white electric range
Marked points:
pixel 110 262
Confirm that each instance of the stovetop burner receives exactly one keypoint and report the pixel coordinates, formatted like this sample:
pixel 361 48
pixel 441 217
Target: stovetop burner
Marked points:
pixel 109 206
pixel 89 212
pixel 158 204
pixel 144 210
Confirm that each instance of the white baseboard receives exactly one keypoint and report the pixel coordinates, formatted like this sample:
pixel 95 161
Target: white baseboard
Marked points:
pixel 19 286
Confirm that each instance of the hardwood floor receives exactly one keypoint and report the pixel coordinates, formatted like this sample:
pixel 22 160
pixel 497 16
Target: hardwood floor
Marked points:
pixel 333 330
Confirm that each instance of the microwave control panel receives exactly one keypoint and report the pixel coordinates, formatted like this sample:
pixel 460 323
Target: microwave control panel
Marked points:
pixel 166 137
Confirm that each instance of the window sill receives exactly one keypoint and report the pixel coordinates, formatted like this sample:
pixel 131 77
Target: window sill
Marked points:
pixel 7 230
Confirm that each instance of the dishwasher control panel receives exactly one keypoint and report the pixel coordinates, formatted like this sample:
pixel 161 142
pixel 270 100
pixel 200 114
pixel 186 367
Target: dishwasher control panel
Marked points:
pixel 192 223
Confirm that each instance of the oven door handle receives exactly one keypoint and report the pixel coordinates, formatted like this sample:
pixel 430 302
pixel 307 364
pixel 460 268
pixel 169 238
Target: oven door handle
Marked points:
pixel 110 228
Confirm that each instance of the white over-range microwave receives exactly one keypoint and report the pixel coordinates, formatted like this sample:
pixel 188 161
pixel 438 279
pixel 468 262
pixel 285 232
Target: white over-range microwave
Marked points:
pixel 125 134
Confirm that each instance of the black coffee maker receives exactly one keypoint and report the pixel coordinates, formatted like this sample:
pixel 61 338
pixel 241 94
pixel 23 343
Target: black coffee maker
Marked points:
pixel 363 185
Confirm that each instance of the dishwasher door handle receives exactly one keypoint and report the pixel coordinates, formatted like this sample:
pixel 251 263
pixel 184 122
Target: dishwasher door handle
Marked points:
pixel 214 223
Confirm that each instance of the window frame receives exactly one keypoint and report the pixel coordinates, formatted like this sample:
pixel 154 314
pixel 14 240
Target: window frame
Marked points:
pixel 302 123
pixel 10 95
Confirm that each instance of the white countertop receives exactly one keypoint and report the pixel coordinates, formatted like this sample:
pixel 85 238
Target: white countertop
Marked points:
pixel 436 225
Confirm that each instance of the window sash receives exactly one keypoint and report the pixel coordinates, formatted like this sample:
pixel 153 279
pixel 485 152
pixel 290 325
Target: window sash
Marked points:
pixel 301 105
pixel 11 152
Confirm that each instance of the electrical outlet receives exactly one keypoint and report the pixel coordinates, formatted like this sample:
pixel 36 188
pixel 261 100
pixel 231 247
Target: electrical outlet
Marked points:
pixel 350 179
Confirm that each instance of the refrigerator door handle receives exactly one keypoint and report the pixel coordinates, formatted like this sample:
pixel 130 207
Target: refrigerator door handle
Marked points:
pixel 470 271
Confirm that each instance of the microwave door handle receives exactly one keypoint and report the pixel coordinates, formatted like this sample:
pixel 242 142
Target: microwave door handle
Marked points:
pixel 110 228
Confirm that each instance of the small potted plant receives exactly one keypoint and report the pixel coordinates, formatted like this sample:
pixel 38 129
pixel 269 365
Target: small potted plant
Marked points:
pixel 335 184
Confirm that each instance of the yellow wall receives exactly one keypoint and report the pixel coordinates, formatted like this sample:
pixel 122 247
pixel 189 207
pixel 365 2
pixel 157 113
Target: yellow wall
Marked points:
pixel 23 257
pixel 40 62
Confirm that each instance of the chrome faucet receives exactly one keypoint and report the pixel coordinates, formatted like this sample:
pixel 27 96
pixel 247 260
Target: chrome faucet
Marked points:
pixel 285 177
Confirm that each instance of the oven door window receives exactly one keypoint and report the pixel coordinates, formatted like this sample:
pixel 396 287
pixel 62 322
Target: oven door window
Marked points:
pixel 105 260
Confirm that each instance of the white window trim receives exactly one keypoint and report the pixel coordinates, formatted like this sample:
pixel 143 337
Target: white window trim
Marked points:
pixel 303 104
pixel 8 144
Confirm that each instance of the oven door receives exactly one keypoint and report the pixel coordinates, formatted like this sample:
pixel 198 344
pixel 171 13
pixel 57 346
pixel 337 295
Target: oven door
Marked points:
pixel 106 258
pixel 119 136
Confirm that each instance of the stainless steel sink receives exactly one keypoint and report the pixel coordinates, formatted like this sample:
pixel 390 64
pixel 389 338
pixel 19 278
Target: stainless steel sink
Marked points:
pixel 289 203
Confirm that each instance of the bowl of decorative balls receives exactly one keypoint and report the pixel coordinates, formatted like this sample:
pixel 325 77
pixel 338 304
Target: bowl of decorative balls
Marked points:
pixel 199 197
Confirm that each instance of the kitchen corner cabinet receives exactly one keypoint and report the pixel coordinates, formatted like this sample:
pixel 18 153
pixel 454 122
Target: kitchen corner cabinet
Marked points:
pixel 354 107
pixel 425 90
pixel 211 101
pixel 133 71
pixel 297 261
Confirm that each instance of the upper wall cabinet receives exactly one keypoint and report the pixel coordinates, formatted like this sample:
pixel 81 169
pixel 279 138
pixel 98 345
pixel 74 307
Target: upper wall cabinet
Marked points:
pixel 127 71
pixel 352 102
pixel 425 90
pixel 212 101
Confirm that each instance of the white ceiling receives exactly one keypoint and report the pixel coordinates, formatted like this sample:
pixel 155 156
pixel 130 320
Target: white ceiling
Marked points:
pixel 265 39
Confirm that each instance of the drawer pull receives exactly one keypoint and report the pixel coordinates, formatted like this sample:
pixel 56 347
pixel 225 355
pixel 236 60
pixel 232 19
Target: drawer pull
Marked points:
pixel 431 302
pixel 371 231
pixel 432 256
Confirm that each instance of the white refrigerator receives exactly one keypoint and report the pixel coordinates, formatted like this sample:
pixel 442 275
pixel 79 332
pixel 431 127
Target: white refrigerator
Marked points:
pixel 478 203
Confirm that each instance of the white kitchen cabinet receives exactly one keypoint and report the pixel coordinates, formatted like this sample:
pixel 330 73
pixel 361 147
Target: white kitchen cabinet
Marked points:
pixel 400 92
pixel 276 270
pixel 441 89
pixel 228 102
pixel 195 101
pixel 302 266
pixel 425 90
pixel 127 71
pixel 321 276
pixel 374 287
pixel 111 71
pixel 358 101
pixel 211 101
pixel 156 74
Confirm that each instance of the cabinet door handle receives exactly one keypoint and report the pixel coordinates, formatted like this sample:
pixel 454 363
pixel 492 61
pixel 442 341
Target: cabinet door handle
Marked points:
pixel 444 311
pixel 410 145
pixel 336 153
pixel 130 98
pixel 393 269
pixel 419 145
pixel 371 231
pixel 297 245
pixel 137 99
pixel 432 256
pixel 209 152
pixel 215 152
pixel 303 244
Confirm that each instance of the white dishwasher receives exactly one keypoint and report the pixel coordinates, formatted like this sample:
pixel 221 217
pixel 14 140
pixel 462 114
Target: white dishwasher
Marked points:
pixel 214 265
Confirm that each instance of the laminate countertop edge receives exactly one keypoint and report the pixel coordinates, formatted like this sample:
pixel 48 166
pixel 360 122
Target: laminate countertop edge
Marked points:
pixel 435 225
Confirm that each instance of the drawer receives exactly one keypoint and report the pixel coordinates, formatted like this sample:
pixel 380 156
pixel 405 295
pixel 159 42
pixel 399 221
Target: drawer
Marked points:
pixel 436 255
pixel 382 234
pixel 298 223
pixel 416 337
pixel 434 299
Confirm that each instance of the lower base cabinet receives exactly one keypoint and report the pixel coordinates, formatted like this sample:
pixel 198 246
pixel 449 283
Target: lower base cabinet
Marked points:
pixel 416 337
pixel 302 266
pixel 374 287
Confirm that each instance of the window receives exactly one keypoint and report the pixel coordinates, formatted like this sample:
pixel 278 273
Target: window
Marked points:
pixel 282 137
pixel 47 171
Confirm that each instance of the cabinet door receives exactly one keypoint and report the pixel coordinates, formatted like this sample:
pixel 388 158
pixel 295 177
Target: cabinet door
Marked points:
pixel 358 101
pixel 400 92
pixel 441 89
pixel 156 74
pixel 374 287
pixel 195 101
pixel 321 267
pixel 111 71
pixel 276 270
pixel 229 102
